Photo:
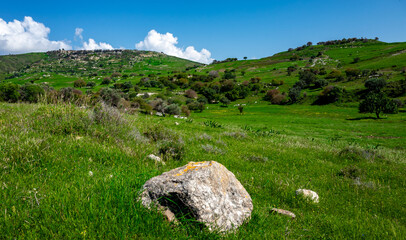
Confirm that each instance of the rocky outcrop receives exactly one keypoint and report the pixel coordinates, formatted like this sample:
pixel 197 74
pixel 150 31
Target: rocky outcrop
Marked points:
pixel 205 191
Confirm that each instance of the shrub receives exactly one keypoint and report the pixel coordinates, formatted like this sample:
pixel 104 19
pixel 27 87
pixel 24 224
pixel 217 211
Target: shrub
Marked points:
pixel 358 154
pixel 396 88
pixel 106 81
pixel 79 83
pixel 270 94
pixel 31 92
pixel 185 110
pixel 172 149
pixel 110 96
pixel 331 94
pixel 294 94
pixel 104 114
pixel 334 74
pixel 190 93
pixel 279 99
pixel 159 133
pixel 172 109
pixel 9 92
pixel 214 74
pixel 307 77
pixel 352 73
pixel 158 105
pixel 225 101
pixel 352 172
pixel 91 84
pixel 320 83
pixel 116 74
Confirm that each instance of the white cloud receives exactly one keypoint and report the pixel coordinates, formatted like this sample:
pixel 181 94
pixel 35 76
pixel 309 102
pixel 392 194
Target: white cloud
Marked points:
pixel 26 36
pixel 78 33
pixel 93 45
pixel 166 43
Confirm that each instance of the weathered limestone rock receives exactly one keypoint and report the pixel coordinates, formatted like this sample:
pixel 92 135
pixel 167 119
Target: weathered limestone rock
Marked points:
pixel 284 212
pixel 313 196
pixel 156 159
pixel 206 191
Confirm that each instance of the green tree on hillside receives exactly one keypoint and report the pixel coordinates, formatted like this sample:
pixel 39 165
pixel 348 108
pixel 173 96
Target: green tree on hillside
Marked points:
pixel 376 100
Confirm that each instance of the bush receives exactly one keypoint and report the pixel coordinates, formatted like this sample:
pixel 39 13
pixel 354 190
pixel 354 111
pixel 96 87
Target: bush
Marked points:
pixel 294 94
pixel 91 84
pixel 320 83
pixel 9 92
pixel 106 81
pixel 396 88
pixel 307 77
pixel 79 83
pixel 334 74
pixel 106 115
pixel 172 109
pixel 279 99
pixel 331 94
pixel 110 96
pixel 31 92
pixel 190 93
pixel 225 101
pixel 172 149
pixel 185 110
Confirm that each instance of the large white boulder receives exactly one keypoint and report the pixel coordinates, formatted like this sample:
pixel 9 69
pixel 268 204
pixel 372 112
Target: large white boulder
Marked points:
pixel 205 191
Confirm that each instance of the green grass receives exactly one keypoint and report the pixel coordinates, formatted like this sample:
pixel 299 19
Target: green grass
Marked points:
pixel 47 152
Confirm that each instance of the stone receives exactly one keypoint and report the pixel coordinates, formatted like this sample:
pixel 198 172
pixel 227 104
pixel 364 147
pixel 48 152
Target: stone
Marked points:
pixel 205 191
pixel 311 195
pixel 283 212
pixel 156 159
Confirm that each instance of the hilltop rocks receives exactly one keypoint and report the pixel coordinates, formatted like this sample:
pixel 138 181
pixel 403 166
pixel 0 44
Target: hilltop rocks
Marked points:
pixel 311 195
pixel 205 191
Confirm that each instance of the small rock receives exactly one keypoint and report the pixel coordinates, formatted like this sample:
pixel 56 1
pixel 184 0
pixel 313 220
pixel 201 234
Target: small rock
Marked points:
pixel 156 158
pixel 205 191
pixel 284 212
pixel 313 196
pixel 176 123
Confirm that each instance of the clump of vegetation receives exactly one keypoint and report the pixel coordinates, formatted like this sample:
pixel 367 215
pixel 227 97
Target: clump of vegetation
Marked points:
pixel 352 172
pixel 356 154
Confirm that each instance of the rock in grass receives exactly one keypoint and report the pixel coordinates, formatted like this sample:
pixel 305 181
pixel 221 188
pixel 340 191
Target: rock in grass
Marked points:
pixel 205 191
pixel 283 212
pixel 156 159
pixel 313 196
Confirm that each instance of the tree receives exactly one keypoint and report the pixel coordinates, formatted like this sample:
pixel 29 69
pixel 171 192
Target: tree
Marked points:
pixel 225 101
pixel 375 84
pixel 245 58
pixel 9 92
pixel 377 102
pixel 241 109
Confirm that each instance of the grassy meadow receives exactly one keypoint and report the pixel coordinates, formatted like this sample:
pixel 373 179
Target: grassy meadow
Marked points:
pixel 70 172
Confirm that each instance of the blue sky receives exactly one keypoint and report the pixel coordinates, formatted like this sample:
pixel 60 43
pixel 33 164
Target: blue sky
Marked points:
pixel 225 28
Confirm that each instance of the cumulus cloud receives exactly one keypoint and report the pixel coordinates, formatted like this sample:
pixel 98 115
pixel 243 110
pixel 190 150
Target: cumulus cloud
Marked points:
pixel 26 36
pixel 78 33
pixel 93 45
pixel 166 43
